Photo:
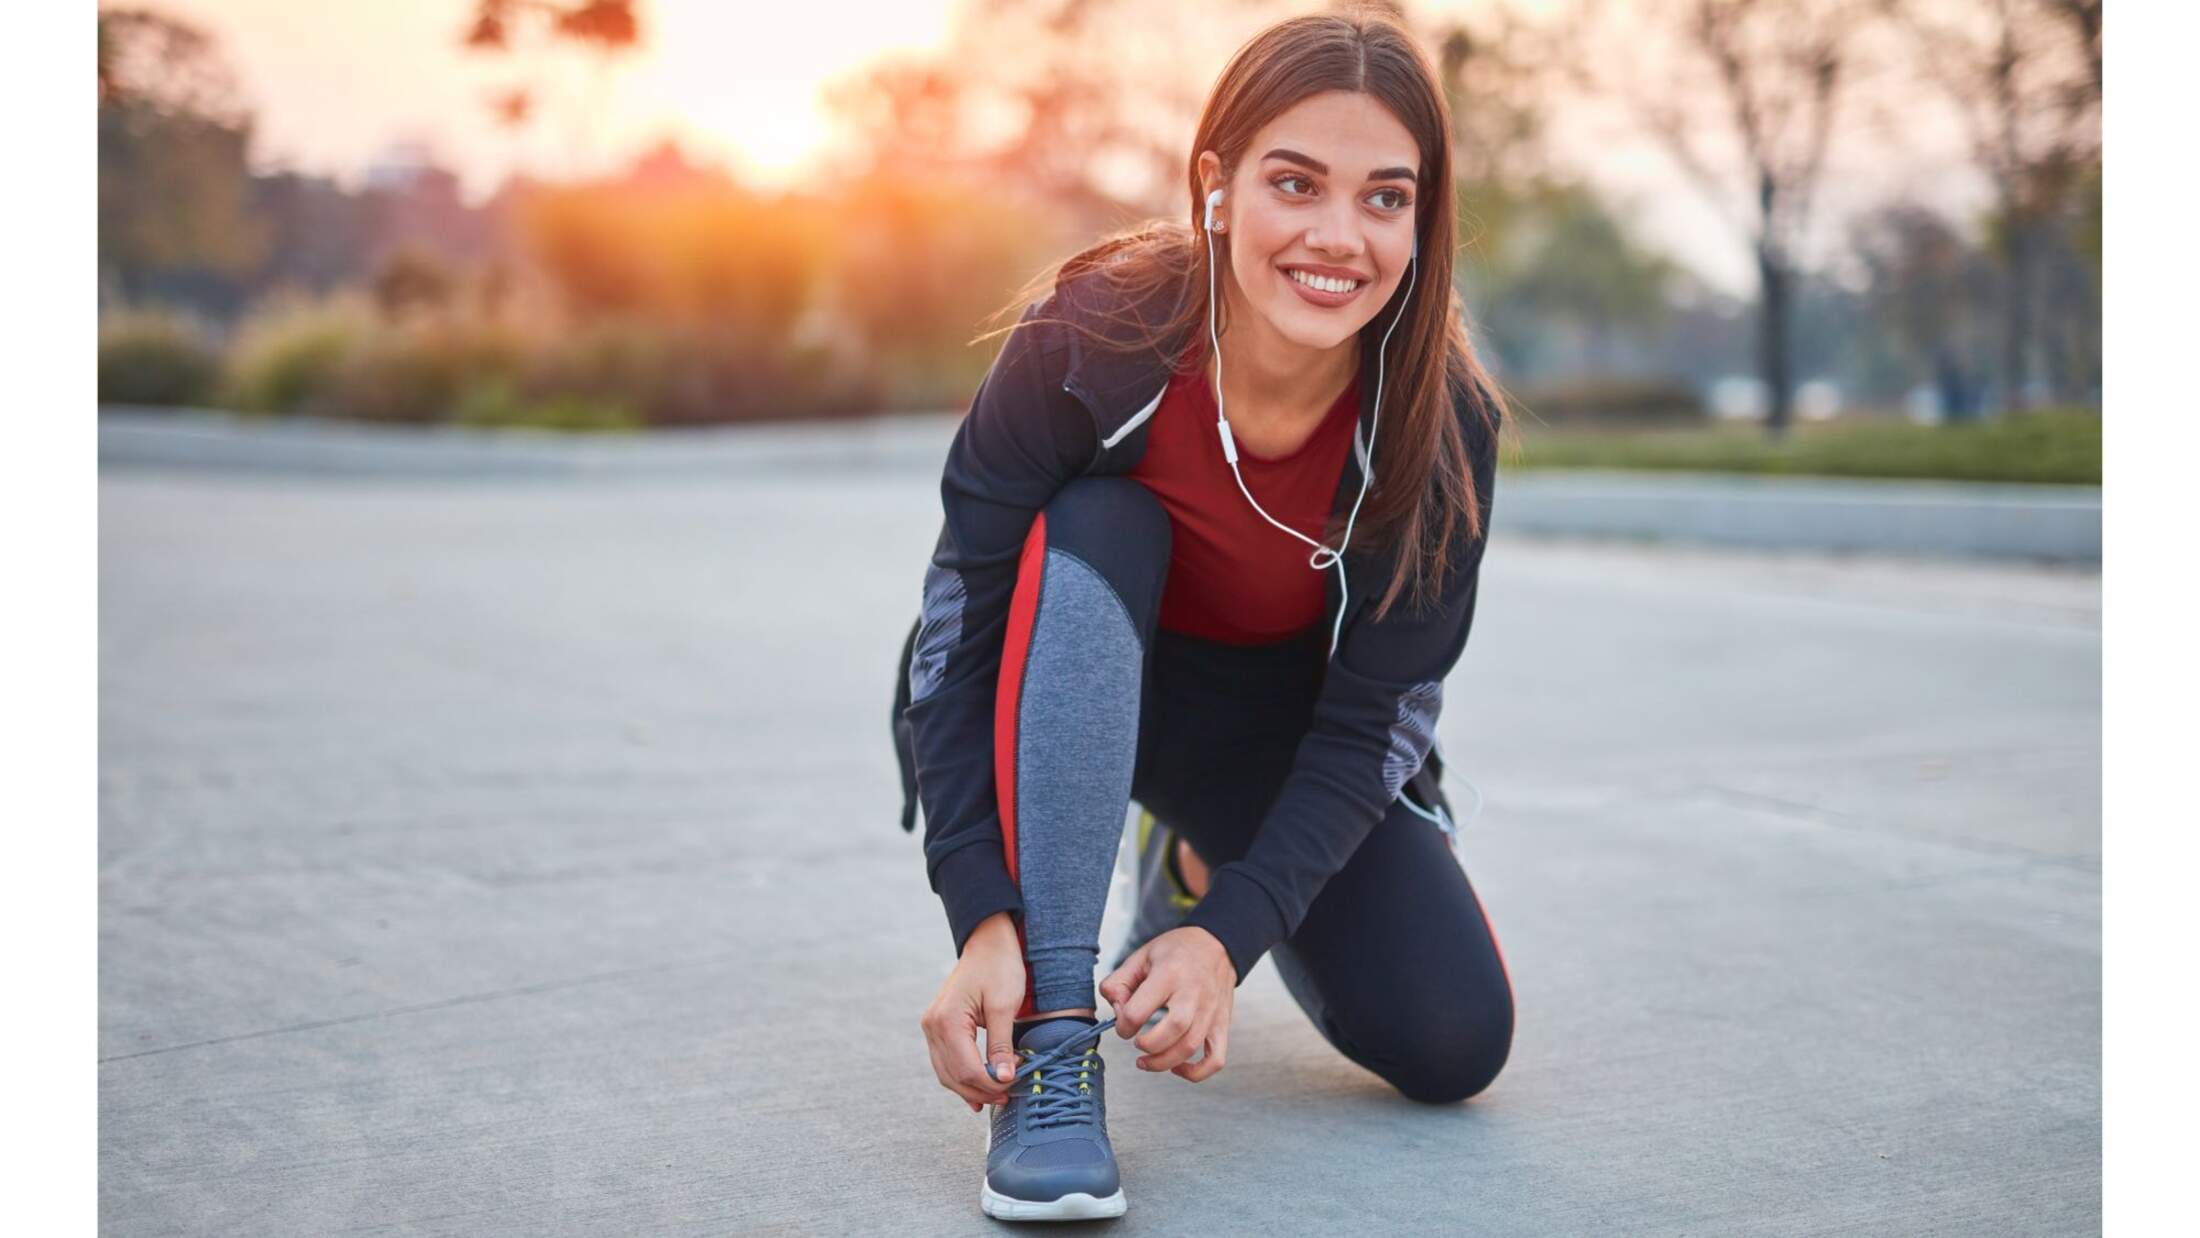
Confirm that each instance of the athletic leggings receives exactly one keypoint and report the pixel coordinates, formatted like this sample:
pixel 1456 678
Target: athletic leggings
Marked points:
pixel 1395 962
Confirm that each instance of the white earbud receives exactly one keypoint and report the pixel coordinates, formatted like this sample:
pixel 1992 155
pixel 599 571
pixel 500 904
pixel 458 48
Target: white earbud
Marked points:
pixel 1229 443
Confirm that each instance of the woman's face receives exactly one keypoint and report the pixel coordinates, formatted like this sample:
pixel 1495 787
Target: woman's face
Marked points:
pixel 1326 188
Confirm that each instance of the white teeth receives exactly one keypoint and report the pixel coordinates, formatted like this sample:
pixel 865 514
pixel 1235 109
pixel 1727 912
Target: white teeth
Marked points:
pixel 1323 282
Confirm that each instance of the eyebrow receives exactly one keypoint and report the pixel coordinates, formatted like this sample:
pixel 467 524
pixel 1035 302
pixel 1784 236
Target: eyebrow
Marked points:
pixel 1322 169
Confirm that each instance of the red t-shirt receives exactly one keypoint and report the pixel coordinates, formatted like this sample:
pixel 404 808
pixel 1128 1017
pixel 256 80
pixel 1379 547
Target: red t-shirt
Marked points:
pixel 1234 577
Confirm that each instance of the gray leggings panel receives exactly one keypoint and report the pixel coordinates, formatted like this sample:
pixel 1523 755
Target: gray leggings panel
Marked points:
pixel 1077 720
pixel 1074 768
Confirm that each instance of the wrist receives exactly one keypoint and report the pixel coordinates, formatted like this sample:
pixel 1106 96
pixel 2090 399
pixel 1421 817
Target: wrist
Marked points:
pixel 1217 948
pixel 1208 941
pixel 1241 913
pixel 993 931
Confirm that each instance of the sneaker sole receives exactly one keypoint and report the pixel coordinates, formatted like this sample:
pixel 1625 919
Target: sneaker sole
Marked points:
pixel 1075 1206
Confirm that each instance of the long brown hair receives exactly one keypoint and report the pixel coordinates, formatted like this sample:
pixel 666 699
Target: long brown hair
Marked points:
pixel 1431 356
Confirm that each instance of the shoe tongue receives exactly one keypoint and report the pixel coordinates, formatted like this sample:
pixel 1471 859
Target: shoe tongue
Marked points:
pixel 1048 1033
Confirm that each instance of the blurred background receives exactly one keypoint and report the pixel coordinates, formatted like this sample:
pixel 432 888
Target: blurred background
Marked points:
pixel 1843 224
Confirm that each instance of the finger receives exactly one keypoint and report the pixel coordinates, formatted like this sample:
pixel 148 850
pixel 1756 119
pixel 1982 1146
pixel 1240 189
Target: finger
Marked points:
pixel 977 1095
pixel 1000 1035
pixel 1172 1032
pixel 1180 1052
pixel 1122 984
pixel 1118 984
pixel 1178 1016
pixel 966 1067
pixel 932 1050
pixel 1205 1067
pixel 1136 1011
pixel 934 1042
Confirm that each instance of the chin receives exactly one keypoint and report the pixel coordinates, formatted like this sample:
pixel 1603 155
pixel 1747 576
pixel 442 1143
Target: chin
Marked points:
pixel 1325 334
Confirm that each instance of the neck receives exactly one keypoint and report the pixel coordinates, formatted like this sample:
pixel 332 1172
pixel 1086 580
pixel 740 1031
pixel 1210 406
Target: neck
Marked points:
pixel 1271 379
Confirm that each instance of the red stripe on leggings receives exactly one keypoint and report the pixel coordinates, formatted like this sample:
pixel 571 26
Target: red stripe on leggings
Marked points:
pixel 1495 949
pixel 1023 609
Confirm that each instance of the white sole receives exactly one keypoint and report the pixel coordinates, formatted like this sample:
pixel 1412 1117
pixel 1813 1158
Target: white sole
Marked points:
pixel 1075 1206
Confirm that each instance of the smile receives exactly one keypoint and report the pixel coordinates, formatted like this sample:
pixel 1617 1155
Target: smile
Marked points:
pixel 1323 290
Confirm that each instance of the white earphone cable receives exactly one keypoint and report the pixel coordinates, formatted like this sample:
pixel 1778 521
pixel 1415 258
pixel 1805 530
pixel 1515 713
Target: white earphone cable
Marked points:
pixel 1367 464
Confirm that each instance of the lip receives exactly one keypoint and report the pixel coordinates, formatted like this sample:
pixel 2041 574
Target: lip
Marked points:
pixel 1315 296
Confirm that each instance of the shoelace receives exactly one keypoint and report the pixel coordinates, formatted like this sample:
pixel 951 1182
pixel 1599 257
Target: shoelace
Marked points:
pixel 1054 1105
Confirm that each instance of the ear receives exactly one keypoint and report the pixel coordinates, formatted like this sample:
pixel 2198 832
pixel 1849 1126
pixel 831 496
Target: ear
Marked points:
pixel 1210 173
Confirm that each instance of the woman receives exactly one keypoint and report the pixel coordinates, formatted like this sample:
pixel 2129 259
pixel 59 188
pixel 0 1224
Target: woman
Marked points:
pixel 1123 604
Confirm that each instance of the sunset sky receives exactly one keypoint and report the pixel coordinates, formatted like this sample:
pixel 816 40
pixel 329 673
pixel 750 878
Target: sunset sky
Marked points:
pixel 338 87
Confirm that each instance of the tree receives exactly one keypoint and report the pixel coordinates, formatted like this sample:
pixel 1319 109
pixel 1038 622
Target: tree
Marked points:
pixel 2024 76
pixel 1497 72
pixel 1929 293
pixel 174 135
pixel 610 28
pixel 1744 96
pixel 2084 18
pixel 1539 249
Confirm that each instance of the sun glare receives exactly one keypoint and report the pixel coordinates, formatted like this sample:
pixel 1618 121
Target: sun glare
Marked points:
pixel 337 87
pixel 748 82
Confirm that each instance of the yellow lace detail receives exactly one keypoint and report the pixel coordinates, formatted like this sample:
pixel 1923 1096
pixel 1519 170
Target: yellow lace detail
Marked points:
pixel 1084 1063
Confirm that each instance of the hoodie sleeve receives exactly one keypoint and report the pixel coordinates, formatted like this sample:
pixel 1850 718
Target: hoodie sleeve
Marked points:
pixel 1023 439
pixel 1372 727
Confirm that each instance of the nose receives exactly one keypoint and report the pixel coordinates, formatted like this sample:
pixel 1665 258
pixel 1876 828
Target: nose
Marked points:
pixel 1337 234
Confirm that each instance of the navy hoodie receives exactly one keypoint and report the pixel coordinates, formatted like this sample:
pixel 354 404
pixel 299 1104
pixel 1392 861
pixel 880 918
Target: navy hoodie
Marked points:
pixel 1057 405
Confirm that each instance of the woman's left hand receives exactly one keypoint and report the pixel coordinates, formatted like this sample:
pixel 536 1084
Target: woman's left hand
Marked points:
pixel 1187 970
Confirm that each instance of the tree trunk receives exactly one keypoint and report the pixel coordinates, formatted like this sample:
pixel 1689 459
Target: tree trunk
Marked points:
pixel 1773 310
pixel 2016 322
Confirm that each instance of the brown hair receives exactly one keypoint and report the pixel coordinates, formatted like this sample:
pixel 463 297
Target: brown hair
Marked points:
pixel 1430 353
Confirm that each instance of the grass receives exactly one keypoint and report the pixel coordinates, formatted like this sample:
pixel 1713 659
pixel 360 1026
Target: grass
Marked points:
pixel 2049 445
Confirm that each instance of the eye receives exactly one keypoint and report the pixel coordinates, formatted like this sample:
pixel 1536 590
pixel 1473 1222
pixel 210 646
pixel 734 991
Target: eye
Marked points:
pixel 1403 199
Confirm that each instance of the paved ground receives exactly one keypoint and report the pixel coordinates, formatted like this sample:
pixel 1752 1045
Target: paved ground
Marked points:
pixel 487 858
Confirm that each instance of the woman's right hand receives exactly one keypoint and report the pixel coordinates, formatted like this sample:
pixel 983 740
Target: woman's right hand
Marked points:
pixel 985 990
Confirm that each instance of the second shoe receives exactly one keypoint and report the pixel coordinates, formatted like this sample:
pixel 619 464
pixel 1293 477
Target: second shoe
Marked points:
pixel 1158 896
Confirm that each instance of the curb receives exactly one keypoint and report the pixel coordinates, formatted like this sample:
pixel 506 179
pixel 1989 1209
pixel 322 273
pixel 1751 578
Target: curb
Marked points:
pixel 1973 520
pixel 133 436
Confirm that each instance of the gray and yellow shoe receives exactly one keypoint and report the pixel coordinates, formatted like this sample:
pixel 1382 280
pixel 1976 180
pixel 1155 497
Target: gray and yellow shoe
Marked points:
pixel 1047 1156
pixel 1157 893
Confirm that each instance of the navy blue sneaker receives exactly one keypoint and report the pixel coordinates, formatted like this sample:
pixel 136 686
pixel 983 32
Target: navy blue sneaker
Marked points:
pixel 1159 899
pixel 1047 1156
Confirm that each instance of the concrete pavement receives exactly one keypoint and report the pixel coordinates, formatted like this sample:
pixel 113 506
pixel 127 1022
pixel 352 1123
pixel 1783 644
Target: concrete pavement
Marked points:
pixel 484 857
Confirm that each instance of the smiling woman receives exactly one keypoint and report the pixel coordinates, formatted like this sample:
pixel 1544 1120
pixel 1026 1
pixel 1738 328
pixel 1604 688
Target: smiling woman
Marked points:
pixel 1121 606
